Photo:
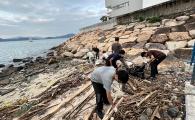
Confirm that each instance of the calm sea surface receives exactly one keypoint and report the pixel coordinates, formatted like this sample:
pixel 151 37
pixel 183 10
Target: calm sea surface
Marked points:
pixel 21 49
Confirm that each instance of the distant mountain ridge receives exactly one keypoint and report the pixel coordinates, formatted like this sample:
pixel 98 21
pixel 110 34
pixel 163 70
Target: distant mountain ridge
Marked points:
pixel 36 38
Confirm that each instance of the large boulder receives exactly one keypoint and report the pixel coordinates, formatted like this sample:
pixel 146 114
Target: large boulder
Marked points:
pixel 5 81
pixel 2 65
pixel 17 60
pixel 179 28
pixel 191 43
pixel 52 60
pixel 139 45
pixel 163 30
pixel 128 32
pixel 184 53
pixel 159 46
pixel 153 24
pixel 173 45
pixel 27 59
pixel 159 38
pixel 40 59
pixel 178 36
pixel 190 26
pixel 130 39
pixel 128 44
pixel 192 33
pixel 182 18
pixel 67 54
pixel 124 37
pixel 134 52
pixel 140 26
pixel 144 36
pixel 81 53
pixel 138 61
pixel 172 22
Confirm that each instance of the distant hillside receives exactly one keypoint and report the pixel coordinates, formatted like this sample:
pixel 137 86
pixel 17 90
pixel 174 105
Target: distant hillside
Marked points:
pixel 35 38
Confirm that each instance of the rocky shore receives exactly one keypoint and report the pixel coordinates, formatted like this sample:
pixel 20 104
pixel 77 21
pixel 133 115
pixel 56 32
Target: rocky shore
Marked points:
pixel 38 83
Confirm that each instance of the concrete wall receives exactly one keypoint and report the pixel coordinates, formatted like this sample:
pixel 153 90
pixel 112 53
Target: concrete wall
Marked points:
pixel 103 26
pixel 163 9
pixel 121 7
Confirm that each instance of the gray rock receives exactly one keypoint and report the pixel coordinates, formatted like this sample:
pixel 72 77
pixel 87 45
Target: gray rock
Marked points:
pixel 17 60
pixel 67 54
pixel 5 91
pixel 191 43
pixel 179 36
pixel 139 45
pixel 2 65
pixel 173 112
pixel 179 28
pixel 50 54
pixel 172 22
pixel 159 38
pixel 190 26
pixel 155 46
pixel 182 18
pixel 173 45
pixel 40 60
pixel 5 81
pixel 27 59
pixel 149 111
pixel 143 117
pixel 163 30
pixel 192 33
pixel 184 53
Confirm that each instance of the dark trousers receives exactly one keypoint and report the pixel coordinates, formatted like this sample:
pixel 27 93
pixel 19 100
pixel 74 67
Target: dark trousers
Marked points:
pixel 96 55
pixel 101 96
pixel 154 65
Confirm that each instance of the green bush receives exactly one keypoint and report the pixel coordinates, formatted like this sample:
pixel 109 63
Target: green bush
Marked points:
pixel 153 19
pixel 141 19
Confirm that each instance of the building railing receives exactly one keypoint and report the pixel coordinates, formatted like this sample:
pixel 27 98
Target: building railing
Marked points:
pixel 103 25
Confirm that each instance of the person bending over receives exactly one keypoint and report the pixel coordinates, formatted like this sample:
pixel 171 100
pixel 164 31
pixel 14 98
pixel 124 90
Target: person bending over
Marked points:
pixel 102 79
pixel 96 50
pixel 117 56
pixel 156 57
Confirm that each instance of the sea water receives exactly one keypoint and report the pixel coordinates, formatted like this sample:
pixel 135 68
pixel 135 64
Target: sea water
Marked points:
pixel 26 48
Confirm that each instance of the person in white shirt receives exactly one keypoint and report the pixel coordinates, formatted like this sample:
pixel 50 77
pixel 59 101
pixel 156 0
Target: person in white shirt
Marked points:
pixel 102 78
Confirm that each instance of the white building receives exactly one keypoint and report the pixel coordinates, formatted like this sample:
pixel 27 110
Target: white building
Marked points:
pixel 120 7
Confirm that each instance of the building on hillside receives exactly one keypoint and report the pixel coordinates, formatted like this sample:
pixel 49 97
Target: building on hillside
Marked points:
pixel 126 11
pixel 121 7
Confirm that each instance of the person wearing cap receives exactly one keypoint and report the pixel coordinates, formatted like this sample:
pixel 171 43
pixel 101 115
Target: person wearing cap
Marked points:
pixel 102 79
pixel 156 57
pixel 116 46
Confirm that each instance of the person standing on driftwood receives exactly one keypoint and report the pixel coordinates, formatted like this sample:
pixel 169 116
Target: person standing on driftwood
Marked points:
pixel 116 47
pixel 156 57
pixel 102 78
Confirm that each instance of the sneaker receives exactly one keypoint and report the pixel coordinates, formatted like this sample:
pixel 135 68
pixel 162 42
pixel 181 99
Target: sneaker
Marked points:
pixel 151 78
pixel 100 114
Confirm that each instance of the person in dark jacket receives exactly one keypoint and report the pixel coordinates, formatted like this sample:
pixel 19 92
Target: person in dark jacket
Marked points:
pixel 96 50
pixel 117 56
pixel 156 57
pixel 116 47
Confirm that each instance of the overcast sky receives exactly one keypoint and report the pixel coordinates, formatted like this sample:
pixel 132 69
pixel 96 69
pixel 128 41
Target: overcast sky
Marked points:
pixel 49 17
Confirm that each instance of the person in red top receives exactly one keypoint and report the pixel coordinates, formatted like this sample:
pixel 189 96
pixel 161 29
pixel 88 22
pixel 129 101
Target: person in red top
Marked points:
pixel 156 57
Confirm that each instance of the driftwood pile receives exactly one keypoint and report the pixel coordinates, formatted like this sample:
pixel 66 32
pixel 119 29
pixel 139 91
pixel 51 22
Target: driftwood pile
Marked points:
pixel 162 99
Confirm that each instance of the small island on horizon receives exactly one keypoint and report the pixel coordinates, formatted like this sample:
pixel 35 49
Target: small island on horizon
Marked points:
pixel 35 38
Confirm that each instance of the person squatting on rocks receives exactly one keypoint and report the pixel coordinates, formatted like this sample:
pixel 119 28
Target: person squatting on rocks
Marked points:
pixel 156 57
pixel 117 56
pixel 91 57
pixel 116 47
pixel 96 50
pixel 102 79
